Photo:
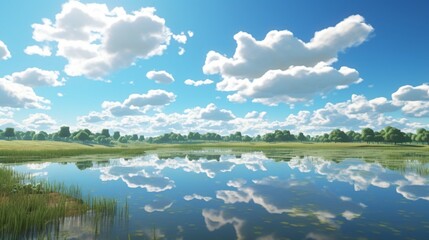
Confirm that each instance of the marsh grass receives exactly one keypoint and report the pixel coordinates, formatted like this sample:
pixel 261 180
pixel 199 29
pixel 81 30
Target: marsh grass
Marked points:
pixel 32 210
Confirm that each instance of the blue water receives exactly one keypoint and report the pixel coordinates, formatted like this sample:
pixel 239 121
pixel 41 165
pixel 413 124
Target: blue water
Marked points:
pixel 250 196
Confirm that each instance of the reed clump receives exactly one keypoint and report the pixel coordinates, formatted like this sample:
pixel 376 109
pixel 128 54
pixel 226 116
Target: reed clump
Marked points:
pixel 30 210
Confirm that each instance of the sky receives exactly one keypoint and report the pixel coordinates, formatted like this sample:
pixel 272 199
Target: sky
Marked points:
pixel 156 66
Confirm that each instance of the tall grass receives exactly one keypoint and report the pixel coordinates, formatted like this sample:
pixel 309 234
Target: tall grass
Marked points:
pixel 32 210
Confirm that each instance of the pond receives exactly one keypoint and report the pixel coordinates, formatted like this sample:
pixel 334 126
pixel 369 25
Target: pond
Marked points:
pixel 221 194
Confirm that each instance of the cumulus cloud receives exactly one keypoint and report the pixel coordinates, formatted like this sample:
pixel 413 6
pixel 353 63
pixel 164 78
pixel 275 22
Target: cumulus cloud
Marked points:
pixel 198 83
pixel 197 197
pixel 283 68
pixel 40 122
pixel 137 104
pixel 212 112
pixel 37 50
pixel 297 84
pixel 94 117
pixel 411 93
pixel 35 77
pixel 160 76
pixel 414 100
pixel 16 95
pixel 353 114
pixel 180 38
pixel 96 40
pixel 6 112
pixel 8 122
pixel 4 52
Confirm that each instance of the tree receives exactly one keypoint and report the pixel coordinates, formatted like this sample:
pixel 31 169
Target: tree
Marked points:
pixel 269 137
pixel 141 138
pixel 135 137
pixel 378 137
pixel 105 132
pixel 116 135
pixel 123 139
pixel 422 135
pixel 28 135
pixel 82 136
pixel 9 133
pixel 101 139
pixel 247 138
pixel 64 132
pixel 39 136
pixel 301 137
pixel 368 135
pixel 338 136
pixel 237 136
pixel 393 135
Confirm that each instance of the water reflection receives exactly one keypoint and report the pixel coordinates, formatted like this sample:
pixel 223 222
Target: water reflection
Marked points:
pixel 249 196
pixel 361 175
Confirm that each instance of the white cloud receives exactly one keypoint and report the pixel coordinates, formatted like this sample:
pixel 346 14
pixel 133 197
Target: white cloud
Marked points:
pixel 216 219
pixel 37 50
pixel 160 76
pixel 137 104
pixel 6 112
pixel 414 100
pixel 211 112
pixel 37 166
pixel 96 40
pixel 345 199
pixel 283 68
pixel 416 108
pixel 410 93
pixel 60 94
pixel 151 98
pixel 349 215
pixel 40 122
pixel 158 206
pixel 353 114
pixel 180 38
pixel 4 52
pixel 297 84
pixel 362 175
pixel 197 197
pixel 16 95
pixel 190 33
pixel 181 51
pixel 35 77
pixel 198 83
pixel 93 117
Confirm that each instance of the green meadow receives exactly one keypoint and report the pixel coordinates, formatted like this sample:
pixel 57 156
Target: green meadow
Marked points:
pixel 19 151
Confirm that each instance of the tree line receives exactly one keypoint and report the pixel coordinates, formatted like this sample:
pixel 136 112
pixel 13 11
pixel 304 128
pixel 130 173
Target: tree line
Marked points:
pixel 387 135
pixel 84 136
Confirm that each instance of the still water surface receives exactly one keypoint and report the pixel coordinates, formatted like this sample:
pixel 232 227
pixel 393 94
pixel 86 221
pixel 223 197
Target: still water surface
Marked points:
pixel 249 196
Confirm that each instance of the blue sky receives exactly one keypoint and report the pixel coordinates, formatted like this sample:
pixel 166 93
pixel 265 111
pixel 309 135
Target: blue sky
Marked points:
pixel 259 65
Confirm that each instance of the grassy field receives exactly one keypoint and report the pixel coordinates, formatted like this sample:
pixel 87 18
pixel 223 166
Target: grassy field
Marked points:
pixel 17 151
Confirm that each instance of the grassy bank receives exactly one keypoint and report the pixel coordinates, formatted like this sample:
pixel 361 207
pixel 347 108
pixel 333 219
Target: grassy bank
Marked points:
pixel 17 151
pixel 29 209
